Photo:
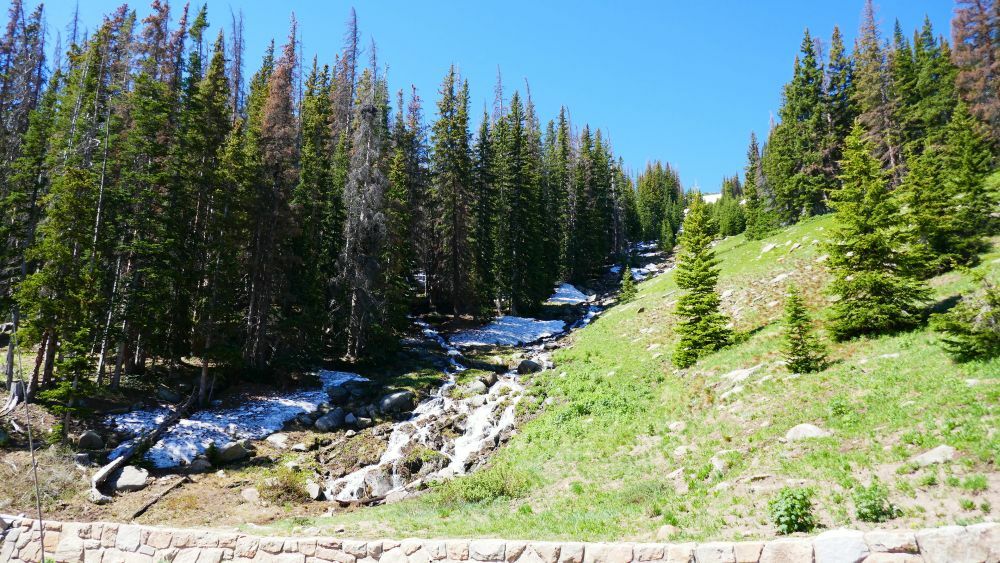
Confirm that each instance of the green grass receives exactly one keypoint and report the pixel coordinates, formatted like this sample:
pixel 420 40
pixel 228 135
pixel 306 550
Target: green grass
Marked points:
pixel 598 462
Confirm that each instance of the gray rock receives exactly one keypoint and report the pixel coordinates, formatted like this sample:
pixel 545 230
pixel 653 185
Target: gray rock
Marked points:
pixel 90 440
pixel 399 401
pixel 278 440
pixel 131 478
pixel 528 366
pixel 840 546
pixel 489 378
pixel 363 422
pixel 233 451
pixel 97 497
pixel 476 387
pixel 804 432
pixel 251 495
pixel 167 394
pixel 300 447
pixel 200 465
pixel 940 454
pixel 82 458
pixel 350 419
pixel 339 395
pixel 331 420
pixel 314 491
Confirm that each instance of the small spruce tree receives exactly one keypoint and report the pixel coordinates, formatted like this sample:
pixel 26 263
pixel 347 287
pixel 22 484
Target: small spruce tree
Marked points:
pixel 803 352
pixel 702 328
pixel 971 330
pixel 628 290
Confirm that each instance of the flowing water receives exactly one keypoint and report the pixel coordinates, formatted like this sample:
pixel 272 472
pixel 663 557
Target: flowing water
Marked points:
pixel 459 429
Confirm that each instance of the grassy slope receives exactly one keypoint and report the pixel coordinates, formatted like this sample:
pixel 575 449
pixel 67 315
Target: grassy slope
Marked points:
pixel 599 461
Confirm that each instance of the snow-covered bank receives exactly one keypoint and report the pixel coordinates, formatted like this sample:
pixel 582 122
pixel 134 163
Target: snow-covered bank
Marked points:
pixel 507 331
pixel 568 294
pixel 255 419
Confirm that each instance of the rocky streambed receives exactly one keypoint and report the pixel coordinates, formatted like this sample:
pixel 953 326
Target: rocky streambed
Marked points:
pixel 371 443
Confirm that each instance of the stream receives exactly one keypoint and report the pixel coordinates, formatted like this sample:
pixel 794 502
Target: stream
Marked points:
pixel 455 428
pixel 481 418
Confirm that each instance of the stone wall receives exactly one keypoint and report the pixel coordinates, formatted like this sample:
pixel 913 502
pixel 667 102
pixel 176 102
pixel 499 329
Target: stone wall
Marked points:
pixel 108 543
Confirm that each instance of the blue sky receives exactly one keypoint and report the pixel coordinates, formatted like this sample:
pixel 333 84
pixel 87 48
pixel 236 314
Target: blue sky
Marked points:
pixel 679 81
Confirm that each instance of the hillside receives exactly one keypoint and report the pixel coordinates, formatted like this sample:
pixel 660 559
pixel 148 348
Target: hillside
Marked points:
pixel 626 444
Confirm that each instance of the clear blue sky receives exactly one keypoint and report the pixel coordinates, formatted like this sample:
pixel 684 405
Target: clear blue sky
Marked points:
pixel 679 81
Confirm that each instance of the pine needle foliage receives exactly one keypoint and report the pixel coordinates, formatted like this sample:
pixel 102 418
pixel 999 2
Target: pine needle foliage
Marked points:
pixel 702 328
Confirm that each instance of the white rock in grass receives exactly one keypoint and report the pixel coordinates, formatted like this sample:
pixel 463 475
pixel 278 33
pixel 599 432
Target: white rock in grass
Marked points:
pixel 804 432
pixel 840 546
pixel 940 454
pixel 768 248
pixel 780 278
pixel 131 479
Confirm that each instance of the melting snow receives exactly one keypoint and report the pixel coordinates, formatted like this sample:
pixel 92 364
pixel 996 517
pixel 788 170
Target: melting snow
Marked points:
pixel 508 331
pixel 255 419
pixel 568 294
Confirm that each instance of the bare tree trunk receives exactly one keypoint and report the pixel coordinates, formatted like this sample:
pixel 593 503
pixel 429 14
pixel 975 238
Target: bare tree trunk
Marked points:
pixel 39 358
pixel 50 359
pixel 9 368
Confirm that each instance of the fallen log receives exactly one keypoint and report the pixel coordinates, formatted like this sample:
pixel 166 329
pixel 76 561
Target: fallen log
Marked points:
pixel 370 501
pixel 149 504
pixel 141 445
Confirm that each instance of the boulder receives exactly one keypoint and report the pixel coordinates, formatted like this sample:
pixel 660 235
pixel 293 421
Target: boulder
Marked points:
pixel 167 394
pixel 476 387
pixel 200 465
pixel 130 478
pixel 233 451
pixel 90 440
pixel 940 454
pixel 363 422
pixel 82 458
pixel 840 546
pixel 331 420
pixel 339 395
pixel 251 495
pixel 396 402
pixel 350 419
pixel 314 491
pixel 528 366
pixel 278 440
pixel 489 378
pixel 804 432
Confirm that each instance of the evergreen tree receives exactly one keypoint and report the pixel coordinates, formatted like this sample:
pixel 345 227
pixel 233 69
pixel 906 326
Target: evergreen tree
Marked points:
pixel 365 229
pixel 702 328
pixel 451 168
pixel 803 352
pixel 487 208
pixel 794 160
pixel 757 216
pixel 874 97
pixel 976 37
pixel 870 255
pixel 627 291
pixel 971 330
pixel 839 103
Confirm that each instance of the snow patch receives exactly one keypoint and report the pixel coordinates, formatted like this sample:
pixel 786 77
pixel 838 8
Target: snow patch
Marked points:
pixel 255 419
pixel 508 331
pixel 568 294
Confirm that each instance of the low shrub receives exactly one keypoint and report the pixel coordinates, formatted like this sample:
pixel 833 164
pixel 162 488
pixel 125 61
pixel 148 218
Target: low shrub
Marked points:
pixel 792 510
pixel 872 503
pixel 487 485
